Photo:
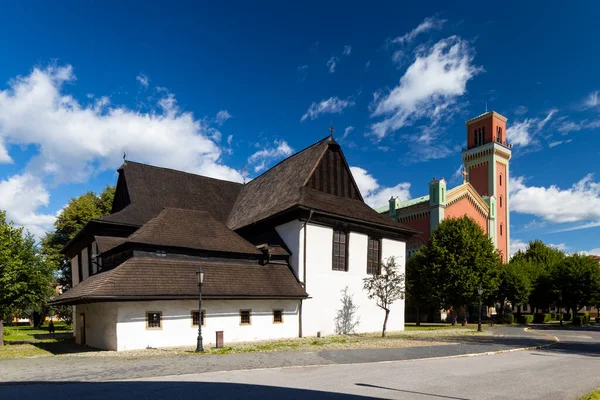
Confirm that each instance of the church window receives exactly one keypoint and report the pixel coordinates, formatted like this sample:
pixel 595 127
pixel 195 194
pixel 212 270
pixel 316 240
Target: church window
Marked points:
pixel 277 316
pixel 340 253
pixel 498 134
pixel 500 201
pixel 500 179
pixel 153 320
pixel 373 256
pixel 245 317
pixel 501 229
pixel 196 317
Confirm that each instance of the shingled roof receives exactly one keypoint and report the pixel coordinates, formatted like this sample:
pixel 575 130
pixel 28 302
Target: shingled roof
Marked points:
pixel 150 189
pixel 191 229
pixel 146 278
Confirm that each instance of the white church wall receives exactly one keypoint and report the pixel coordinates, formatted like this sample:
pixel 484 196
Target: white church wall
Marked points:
pixel 100 325
pixel 292 235
pixel 221 315
pixel 324 285
pixel 74 271
pixel 85 272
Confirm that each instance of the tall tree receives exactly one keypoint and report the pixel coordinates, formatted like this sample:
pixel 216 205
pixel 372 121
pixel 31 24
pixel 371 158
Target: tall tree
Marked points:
pixel 515 284
pixel 419 284
pixel 78 212
pixel 578 280
pixel 25 278
pixel 460 258
pixel 385 286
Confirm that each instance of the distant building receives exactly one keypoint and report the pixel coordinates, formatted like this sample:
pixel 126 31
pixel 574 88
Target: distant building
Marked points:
pixel 276 253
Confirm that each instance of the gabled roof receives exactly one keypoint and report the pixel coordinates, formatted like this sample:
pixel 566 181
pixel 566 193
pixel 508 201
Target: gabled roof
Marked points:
pixel 191 229
pixel 150 189
pixel 147 278
pixel 278 188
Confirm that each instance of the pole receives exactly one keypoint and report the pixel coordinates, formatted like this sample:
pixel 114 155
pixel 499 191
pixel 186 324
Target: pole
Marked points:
pixel 560 310
pixel 479 322
pixel 199 347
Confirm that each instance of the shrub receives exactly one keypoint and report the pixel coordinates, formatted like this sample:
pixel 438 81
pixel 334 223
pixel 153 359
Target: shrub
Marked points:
pixel 526 319
pixel 579 320
pixel 507 319
pixel 567 316
pixel 540 318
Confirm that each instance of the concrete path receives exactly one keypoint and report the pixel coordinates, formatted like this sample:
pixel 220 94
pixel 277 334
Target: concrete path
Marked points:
pixel 100 368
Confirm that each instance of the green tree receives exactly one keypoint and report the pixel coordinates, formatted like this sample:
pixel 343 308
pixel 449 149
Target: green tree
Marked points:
pixel 78 212
pixel 460 257
pixel 25 278
pixel 578 279
pixel 419 284
pixel 515 284
pixel 385 287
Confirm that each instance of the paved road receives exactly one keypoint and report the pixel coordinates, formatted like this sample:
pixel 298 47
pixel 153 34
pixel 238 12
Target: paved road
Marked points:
pixel 560 372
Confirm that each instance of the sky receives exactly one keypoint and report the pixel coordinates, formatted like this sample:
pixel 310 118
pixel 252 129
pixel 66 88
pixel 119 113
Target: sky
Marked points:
pixel 228 90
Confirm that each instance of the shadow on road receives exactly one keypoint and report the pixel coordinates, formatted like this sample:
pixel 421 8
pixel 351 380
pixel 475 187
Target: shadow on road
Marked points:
pixel 440 396
pixel 163 390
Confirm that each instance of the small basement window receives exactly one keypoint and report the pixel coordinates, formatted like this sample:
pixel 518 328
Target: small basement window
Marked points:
pixel 277 316
pixel 153 320
pixel 245 317
pixel 195 316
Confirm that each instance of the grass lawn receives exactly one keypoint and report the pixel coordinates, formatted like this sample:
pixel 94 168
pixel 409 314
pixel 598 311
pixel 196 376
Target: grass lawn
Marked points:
pixel 20 333
pixel 595 395
pixel 15 336
pixel 22 351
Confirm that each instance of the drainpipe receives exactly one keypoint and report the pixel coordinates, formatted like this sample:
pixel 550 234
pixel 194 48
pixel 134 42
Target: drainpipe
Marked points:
pixel 303 274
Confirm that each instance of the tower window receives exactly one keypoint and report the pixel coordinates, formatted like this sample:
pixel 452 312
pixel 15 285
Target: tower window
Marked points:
pixel 498 134
pixel 500 179
pixel 501 229
pixel 500 201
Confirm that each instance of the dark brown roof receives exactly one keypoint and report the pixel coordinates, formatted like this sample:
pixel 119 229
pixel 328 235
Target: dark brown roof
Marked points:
pixel 106 243
pixel 277 189
pixel 191 229
pixel 145 278
pixel 150 189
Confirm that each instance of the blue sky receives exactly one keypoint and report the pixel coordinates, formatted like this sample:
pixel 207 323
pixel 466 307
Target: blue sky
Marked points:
pixel 222 88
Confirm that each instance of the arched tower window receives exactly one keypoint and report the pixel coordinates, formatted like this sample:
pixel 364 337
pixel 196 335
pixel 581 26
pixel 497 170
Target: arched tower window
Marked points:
pixel 500 201
pixel 501 226
pixel 500 179
pixel 498 134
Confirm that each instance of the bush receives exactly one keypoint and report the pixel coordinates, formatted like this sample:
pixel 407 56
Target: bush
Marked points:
pixel 526 319
pixel 579 320
pixel 540 318
pixel 506 319
pixel 567 316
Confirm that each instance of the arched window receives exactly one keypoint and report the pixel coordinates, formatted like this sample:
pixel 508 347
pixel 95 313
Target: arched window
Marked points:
pixel 498 134
pixel 501 229
pixel 500 179
pixel 500 201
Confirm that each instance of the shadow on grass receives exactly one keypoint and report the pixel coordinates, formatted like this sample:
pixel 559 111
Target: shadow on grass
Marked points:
pixel 64 346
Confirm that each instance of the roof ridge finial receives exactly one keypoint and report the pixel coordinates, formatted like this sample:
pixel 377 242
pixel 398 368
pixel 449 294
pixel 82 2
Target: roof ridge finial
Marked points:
pixel 331 130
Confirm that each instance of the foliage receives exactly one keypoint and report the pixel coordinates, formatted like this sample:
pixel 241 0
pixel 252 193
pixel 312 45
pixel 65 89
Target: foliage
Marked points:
pixel 385 287
pixel 515 283
pixel 459 258
pixel 580 320
pixel 577 279
pixel 526 319
pixel 542 318
pixel 346 319
pixel 507 319
pixel 65 313
pixel 25 278
pixel 78 212
pixel 567 316
pixel 419 284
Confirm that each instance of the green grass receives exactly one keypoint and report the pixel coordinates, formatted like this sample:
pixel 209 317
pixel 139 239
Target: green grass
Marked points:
pixel 19 333
pixel 22 351
pixel 425 327
pixel 595 395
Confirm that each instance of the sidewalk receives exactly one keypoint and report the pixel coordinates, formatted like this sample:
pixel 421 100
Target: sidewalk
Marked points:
pixel 111 368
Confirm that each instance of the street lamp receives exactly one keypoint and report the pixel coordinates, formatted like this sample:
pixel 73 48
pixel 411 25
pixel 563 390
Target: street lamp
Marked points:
pixel 480 291
pixel 560 308
pixel 200 276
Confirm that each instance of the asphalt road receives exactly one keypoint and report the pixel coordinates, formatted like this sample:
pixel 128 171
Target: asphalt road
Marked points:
pixel 564 371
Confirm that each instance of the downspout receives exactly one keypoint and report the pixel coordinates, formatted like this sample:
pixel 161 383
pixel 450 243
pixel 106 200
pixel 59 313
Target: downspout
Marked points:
pixel 303 274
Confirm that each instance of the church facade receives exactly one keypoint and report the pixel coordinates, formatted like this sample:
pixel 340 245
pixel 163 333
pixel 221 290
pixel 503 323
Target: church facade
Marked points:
pixel 483 194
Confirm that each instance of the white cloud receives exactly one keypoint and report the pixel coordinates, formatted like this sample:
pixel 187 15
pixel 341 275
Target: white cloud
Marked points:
pixel 559 142
pixel 74 140
pixel 20 197
pixel 332 105
pixel 517 245
pixel 143 80
pixel 302 72
pixel 428 24
pixel 429 88
pixel 331 63
pixel 347 50
pixel 579 203
pixel 593 99
pixel 524 133
pixel 521 110
pixel 222 116
pixel 347 131
pixel 592 252
pixel 569 126
pixel 261 158
pixel 373 193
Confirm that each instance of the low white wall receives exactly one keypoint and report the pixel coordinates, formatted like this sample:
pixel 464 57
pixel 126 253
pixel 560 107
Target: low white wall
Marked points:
pixel 292 235
pixel 100 325
pixel 221 315
pixel 324 285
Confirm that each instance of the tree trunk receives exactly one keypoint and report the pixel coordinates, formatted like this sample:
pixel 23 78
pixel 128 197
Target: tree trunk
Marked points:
pixel 387 314
pixel 418 316
pixel 1 332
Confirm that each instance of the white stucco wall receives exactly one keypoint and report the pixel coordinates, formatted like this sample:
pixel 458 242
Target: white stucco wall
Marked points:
pixel 74 271
pixel 324 285
pixel 221 315
pixel 293 236
pixel 85 272
pixel 100 325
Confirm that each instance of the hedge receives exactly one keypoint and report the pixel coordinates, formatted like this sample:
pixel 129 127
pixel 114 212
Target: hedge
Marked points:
pixel 526 319
pixel 540 318
pixel 507 319
pixel 553 316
